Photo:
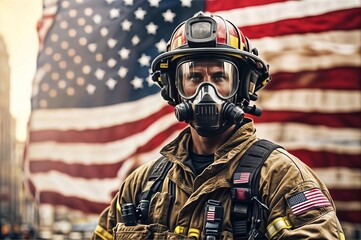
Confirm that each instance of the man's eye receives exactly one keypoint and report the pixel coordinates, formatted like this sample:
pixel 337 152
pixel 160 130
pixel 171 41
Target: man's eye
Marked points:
pixel 219 77
pixel 195 77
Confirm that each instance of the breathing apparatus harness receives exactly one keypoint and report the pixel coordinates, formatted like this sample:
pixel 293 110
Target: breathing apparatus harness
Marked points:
pixel 247 208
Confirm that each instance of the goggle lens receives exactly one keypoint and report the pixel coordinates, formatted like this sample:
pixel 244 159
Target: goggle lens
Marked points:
pixel 222 74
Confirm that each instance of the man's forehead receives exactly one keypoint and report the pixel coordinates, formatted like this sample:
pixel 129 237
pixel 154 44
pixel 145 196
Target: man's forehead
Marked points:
pixel 207 64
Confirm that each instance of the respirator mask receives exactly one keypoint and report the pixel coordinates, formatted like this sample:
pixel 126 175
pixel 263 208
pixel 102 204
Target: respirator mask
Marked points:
pixel 207 88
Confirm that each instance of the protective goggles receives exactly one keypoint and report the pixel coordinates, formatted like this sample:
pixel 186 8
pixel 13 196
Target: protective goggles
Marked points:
pixel 220 73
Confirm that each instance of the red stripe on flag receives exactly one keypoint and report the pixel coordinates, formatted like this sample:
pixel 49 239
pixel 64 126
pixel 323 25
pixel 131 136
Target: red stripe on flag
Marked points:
pixel 345 194
pixel 99 170
pixel 342 78
pixel 75 203
pixel 338 20
pixel 321 159
pixel 349 216
pixel 160 137
pixel 214 6
pixel 101 135
pixel 344 120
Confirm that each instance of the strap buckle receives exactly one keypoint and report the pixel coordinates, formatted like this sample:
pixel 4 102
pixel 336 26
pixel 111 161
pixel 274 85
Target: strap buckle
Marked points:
pixel 241 194
pixel 214 219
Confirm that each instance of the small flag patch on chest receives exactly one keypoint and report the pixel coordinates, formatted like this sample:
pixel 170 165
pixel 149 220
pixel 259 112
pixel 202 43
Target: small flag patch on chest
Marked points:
pixel 307 200
pixel 210 216
pixel 240 178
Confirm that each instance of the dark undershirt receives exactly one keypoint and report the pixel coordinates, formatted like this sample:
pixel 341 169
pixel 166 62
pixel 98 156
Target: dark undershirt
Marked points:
pixel 200 162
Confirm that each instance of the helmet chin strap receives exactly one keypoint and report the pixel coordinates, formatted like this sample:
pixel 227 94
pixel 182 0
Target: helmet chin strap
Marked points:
pixel 207 113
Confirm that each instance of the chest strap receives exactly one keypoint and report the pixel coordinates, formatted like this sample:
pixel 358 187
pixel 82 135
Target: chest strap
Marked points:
pixel 247 208
pixel 214 220
pixel 156 178
pixel 155 182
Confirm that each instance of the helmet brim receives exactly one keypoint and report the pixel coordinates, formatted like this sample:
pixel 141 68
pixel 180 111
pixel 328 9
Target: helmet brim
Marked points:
pixel 197 52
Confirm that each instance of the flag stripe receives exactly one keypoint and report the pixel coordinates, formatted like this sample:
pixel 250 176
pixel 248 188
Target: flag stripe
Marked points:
pixel 338 20
pixel 321 159
pixel 213 6
pixel 341 78
pixel 77 168
pixel 101 153
pixel 303 52
pixel 79 187
pixel 81 204
pixel 344 120
pixel 303 136
pixel 272 13
pixel 349 216
pixel 97 117
pixel 100 135
pixel 311 100
pixel 343 196
pixel 340 177
pixel 325 43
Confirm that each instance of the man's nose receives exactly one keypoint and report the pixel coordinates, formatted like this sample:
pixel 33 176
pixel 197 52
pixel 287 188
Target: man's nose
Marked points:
pixel 207 78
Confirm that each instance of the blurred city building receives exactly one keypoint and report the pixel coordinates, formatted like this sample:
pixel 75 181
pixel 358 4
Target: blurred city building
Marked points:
pixel 8 198
pixel 18 211
pixel 15 208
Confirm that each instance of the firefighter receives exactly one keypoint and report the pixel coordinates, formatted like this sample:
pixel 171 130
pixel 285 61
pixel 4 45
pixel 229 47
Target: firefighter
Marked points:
pixel 210 73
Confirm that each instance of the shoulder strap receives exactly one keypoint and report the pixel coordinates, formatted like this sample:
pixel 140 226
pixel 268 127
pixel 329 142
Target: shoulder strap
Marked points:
pixel 156 177
pixel 245 195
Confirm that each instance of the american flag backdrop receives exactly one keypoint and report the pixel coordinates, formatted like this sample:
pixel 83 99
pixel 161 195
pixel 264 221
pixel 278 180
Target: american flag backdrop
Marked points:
pixel 96 115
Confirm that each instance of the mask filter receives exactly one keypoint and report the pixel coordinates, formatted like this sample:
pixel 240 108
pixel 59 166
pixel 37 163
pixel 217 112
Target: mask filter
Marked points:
pixel 207 112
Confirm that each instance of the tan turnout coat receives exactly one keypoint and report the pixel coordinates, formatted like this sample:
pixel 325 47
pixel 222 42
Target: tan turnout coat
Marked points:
pixel 282 176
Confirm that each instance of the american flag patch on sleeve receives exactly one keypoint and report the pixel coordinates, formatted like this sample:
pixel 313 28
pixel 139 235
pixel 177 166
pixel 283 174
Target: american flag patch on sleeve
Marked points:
pixel 307 200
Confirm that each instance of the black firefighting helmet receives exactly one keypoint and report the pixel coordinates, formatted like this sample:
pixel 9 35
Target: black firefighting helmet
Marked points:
pixel 203 37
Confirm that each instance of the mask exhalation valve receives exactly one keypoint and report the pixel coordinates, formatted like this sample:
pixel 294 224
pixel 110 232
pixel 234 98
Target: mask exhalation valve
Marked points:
pixel 232 113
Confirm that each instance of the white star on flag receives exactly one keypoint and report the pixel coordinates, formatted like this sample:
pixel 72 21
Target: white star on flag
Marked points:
pixel 124 53
pixel 168 16
pixel 151 28
pixel 144 60
pixel 140 13
pixel 137 82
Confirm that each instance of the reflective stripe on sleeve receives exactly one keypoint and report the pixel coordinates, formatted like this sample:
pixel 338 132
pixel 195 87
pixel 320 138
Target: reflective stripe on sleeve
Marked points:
pixel 276 226
pixel 102 233
pixel 194 232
